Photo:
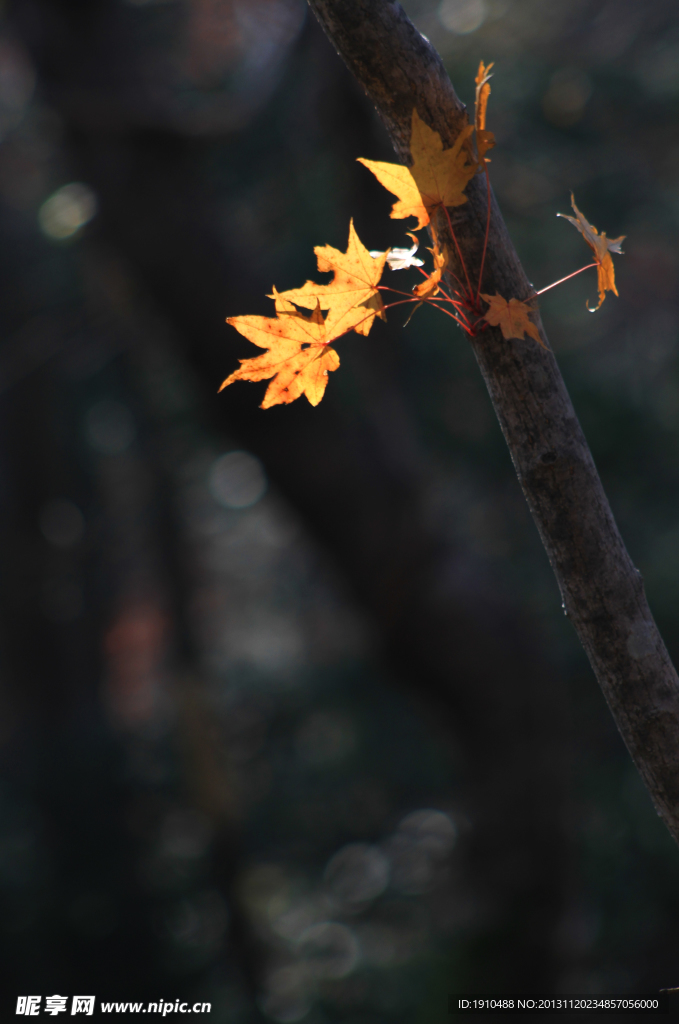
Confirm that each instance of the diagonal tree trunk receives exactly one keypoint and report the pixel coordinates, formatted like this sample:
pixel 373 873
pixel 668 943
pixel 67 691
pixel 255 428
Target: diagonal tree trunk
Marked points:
pixel 602 591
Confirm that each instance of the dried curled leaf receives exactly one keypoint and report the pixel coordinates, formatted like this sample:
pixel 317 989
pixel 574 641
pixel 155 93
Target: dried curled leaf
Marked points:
pixel 298 357
pixel 511 317
pixel 602 248
pixel 485 140
pixel 351 298
pixel 437 177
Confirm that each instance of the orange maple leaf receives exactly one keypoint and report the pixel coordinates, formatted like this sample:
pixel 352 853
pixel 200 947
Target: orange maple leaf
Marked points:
pixel 430 286
pixel 351 298
pixel 298 358
pixel 602 248
pixel 511 317
pixel 484 140
pixel 437 177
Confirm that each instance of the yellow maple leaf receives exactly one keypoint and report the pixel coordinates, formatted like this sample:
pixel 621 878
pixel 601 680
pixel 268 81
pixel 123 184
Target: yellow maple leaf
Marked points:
pixel 602 248
pixel 298 357
pixel 485 140
pixel 511 317
pixel 430 286
pixel 351 298
pixel 437 177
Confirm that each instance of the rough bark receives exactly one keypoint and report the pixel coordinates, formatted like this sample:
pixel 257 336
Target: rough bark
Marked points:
pixel 602 591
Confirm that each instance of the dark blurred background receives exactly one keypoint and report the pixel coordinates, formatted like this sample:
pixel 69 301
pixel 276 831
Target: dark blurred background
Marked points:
pixel 292 719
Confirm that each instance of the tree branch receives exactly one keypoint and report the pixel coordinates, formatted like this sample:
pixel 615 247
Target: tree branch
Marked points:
pixel 602 591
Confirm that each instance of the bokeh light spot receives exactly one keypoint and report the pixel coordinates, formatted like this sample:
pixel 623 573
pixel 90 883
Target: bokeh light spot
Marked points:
pixel 67 210
pixel 418 849
pixel 432 830
pixel 462 16
pixel 237 480
pixel 358 873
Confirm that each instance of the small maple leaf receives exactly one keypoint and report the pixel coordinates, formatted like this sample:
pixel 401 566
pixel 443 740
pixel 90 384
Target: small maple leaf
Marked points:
pixel 401 259
pixel 351 298
pixel 298 358
pixel 602 248
pixel 428 288
pixel 437 177
pixel 484 140
pixel 511 317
